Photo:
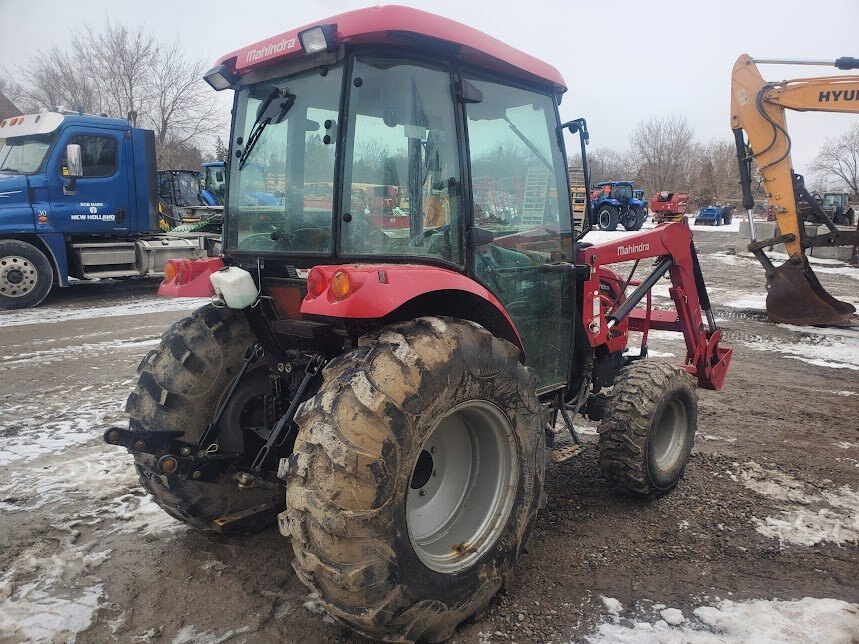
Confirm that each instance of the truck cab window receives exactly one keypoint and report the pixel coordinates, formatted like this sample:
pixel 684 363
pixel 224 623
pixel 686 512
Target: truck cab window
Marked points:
pixel 98 154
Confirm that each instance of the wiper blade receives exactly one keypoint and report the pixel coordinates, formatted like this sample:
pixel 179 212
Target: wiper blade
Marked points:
pixel 7 169
pixel 273 108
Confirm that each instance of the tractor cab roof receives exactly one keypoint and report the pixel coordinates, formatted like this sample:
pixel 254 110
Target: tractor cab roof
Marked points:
pixel 404 26
pixel 615 183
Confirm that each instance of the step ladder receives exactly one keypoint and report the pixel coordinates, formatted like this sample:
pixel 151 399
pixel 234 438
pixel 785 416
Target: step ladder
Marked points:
pixel 536 194
pixel 578 196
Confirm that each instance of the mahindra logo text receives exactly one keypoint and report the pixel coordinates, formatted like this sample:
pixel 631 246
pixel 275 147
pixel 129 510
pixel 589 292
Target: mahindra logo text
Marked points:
pixel 268 50
pixel 838 95
pixel 633 248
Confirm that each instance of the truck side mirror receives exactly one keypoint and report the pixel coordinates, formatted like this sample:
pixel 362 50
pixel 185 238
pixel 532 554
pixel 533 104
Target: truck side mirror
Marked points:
pixel 74 167
pixel 74 162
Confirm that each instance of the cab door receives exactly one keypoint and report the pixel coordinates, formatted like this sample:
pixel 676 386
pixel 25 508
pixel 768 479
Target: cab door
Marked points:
pixel 522 211
pixel 102 196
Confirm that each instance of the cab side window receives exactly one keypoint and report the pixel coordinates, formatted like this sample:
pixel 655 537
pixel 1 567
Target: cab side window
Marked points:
pixel 98 154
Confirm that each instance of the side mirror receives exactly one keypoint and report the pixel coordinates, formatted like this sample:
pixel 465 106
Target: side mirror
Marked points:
pixel 75 168
pixel 74 162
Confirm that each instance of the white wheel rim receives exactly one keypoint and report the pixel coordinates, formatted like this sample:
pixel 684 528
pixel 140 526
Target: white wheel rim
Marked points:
pixel 669 434
pixel 18 276
pixel 463 485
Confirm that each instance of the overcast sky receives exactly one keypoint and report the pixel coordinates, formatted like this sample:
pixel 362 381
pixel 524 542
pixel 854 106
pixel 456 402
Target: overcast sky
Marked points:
pixel 623 60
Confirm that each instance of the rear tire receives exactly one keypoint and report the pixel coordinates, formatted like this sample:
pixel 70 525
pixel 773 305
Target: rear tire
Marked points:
pixel 179 388
pixel 26 276
pixel 380 499
pixel 646 435
pixel 607 218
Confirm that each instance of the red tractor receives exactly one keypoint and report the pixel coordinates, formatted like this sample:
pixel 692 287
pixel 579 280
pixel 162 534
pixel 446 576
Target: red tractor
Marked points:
pixel 388 396
pixel 668 206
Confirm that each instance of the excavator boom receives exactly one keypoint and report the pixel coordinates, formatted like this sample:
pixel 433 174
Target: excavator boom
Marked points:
pixel 795 295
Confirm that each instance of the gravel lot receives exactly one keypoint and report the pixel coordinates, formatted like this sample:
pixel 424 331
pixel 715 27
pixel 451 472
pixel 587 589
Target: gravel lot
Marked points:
pixel 766 515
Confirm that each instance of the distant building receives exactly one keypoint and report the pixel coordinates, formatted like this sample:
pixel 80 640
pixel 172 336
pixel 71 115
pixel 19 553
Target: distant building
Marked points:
pixel 7 108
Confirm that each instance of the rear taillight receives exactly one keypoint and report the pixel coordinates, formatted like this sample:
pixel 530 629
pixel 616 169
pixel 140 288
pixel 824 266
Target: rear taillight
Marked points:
pixel 178 270
pixel 317 282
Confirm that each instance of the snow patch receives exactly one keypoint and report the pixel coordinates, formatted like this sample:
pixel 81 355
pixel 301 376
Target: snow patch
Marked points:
pixel 834 348
pixel 812 517
pixel 49 314
pixel 612 605
pixel 672 616
pixel 804 620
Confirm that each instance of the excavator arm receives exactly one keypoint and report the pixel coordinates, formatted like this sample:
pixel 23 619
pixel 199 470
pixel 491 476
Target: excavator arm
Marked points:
pixel 795 296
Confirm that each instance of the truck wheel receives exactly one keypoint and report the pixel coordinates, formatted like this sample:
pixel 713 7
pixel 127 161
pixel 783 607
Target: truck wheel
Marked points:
pixel 25 275
pixel 415 479
pixel 646 435
pixel 180 385
pixel 607 218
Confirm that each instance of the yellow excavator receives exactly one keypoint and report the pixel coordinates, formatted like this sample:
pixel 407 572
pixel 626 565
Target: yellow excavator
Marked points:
pixel 794 294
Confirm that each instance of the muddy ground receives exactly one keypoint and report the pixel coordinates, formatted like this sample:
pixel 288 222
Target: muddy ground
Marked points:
pixel 767 509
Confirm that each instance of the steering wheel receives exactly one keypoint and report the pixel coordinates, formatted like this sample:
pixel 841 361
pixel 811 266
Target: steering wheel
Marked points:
pixel 417 240
pixel 266 241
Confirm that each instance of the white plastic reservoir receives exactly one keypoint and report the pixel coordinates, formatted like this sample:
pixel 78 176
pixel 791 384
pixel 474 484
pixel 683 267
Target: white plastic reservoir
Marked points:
pixel 235 286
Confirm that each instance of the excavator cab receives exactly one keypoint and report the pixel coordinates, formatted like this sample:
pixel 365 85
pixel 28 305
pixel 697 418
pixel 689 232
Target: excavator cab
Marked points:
pixel 794 294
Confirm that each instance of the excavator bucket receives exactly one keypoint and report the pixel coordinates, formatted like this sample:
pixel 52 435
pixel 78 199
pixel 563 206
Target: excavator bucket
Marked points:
pixel 795 296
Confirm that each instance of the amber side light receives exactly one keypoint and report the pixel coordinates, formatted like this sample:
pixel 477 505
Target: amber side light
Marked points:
pixel 341 285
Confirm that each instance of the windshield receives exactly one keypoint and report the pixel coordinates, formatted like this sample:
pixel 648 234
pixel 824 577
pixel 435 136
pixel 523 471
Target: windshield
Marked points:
pixel 215 183
pixel 25 154
pixel 281 200
pixel 621 192
pixel 187 188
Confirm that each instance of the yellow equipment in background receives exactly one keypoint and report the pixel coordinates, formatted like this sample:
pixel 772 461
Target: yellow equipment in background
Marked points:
pixel 795 296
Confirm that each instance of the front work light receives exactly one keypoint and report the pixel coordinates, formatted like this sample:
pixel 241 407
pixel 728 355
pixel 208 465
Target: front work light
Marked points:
pixel 220 77
pixel 320 38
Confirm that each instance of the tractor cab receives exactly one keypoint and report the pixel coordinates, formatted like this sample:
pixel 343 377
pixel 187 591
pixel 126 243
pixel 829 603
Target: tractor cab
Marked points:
pixel 349 149
pixel 214 183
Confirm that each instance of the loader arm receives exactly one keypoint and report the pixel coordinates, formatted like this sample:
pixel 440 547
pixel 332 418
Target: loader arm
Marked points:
pixel 758 108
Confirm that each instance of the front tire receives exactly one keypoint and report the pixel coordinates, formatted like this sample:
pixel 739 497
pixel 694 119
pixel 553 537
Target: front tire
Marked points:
pixel 607 218
pixel 179 388
pixel 25 275
pixel 647 432
pixel 405 433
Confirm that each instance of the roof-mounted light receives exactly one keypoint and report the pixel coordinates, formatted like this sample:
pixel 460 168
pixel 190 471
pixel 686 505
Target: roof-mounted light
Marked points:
pixel 319 38
pixel 221 77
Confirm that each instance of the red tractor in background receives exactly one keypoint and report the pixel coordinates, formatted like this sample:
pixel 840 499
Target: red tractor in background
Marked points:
pixel 389 396
pixel 668 206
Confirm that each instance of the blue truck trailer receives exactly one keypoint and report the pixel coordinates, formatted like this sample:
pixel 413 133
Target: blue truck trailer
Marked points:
pixel 79 199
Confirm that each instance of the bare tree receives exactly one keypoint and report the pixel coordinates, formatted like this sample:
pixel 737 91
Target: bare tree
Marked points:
pixel 663 151
pixel 606 164
pixel 837 162
pixel 126 72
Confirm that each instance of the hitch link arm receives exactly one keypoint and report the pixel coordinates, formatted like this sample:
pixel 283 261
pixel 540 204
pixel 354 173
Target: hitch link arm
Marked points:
pixel 281 431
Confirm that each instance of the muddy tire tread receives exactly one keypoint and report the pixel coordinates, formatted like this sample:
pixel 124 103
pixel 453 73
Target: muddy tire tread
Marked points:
pixel 623 430
pixel 342 551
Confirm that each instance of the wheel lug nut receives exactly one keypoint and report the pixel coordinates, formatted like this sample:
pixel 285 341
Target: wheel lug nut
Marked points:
pixel 432 450
pixel 196 474
pixel 435 472
pixel 422 493
pixel 139 445
pixel 186 451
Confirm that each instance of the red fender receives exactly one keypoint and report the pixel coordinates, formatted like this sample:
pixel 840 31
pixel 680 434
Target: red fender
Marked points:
pixel 377 290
